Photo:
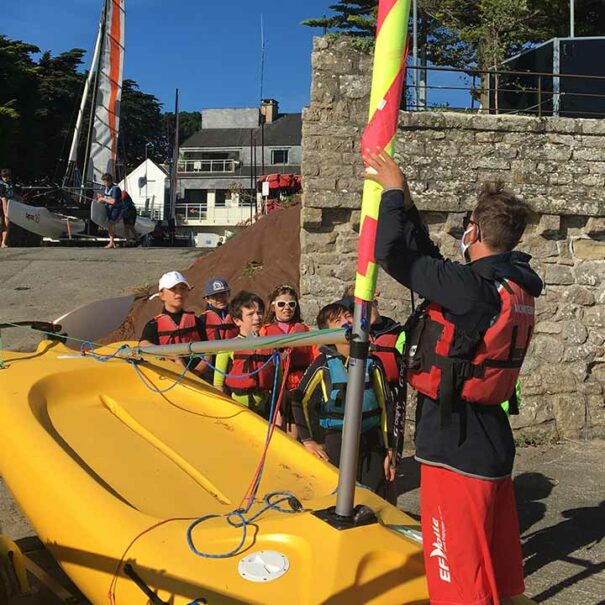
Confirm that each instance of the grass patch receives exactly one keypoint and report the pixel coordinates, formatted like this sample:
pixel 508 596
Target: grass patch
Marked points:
pixel 252 268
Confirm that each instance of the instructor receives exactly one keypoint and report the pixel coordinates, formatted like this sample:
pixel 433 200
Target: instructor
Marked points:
pixel 464 350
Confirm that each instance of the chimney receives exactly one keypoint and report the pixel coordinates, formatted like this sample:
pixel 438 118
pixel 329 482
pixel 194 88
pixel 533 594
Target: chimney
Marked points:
pixel 268 110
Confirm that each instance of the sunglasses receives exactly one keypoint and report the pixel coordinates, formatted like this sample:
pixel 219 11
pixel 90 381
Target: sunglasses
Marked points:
pixel 466 221
pixel 281 304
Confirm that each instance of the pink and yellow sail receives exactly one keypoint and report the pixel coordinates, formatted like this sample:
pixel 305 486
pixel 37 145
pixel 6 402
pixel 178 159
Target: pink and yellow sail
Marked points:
pixel 385 100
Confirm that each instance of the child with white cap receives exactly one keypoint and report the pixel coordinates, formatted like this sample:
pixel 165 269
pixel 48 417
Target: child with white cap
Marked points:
pixel 174 324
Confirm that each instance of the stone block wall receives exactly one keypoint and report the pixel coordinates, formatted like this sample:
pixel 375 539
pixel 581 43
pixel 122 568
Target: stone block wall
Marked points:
pixel 557 164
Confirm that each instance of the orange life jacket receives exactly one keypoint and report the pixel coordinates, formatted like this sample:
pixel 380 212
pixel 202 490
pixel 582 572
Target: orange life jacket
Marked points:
pixel 170 333
pixel 218 328
pixel 487 378
pixel 300 357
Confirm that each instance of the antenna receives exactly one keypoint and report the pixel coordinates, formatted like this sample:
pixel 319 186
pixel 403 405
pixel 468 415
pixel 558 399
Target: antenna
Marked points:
pixel 262 54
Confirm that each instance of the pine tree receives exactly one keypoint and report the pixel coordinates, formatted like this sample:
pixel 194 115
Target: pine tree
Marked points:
pixel 353 18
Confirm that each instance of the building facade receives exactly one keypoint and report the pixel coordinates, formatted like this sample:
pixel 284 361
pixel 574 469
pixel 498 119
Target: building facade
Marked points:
pixel 219 166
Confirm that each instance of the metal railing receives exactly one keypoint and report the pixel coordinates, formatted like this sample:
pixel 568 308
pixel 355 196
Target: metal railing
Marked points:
pixel 207 166
pixel 507 91
pixel 201 213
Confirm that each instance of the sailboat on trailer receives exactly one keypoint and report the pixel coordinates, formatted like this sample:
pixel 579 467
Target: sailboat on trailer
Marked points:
pixel 100 154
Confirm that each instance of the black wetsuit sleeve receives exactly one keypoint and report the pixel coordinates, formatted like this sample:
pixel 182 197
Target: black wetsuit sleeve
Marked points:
pixel 150 332
pixel 306 397
pixel 405 251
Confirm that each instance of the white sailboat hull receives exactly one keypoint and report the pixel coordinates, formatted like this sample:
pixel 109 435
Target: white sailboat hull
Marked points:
pixel 42 221
pixel 98 215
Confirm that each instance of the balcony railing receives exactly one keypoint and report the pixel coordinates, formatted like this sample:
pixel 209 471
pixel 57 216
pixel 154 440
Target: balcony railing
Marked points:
pixel 201 214
pixel 207 166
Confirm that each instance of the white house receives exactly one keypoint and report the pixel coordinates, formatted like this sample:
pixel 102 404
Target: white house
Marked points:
pixel 147 185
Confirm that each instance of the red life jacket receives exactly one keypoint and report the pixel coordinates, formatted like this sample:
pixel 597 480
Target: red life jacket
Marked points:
pixel 218 328
pixel 487 378
pixel 239 380
pixel 382 346
pixel 169 333
pixel 300 357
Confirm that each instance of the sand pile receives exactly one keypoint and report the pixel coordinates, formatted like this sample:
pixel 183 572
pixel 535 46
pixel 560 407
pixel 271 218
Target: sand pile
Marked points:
pixel 258 259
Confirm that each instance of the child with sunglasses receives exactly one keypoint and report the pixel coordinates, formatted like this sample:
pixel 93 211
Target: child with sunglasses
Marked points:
pixel 284 317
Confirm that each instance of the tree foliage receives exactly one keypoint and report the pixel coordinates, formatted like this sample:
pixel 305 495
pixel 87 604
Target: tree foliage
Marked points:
pixel 39 99
pixel 472 33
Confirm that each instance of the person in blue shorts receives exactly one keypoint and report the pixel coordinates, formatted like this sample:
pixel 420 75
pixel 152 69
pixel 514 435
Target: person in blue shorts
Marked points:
pixel 112 196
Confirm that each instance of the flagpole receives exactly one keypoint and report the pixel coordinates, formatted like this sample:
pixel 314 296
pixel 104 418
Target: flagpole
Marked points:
pixel 385 100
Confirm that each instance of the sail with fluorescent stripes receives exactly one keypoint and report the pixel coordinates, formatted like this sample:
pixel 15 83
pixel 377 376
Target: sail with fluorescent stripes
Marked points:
pixel 105 129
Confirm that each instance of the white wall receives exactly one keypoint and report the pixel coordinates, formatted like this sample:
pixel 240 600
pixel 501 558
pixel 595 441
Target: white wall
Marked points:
pixel 149 197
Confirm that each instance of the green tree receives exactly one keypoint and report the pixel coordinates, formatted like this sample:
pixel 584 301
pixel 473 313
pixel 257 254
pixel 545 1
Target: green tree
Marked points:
pixel 141 124
pixel 473 33
pixel 18 94
pixel 189 123
pixel 59 91
pixel 355 18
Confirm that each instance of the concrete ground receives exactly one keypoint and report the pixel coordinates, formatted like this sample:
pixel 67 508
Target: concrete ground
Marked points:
pixel 561 501
pixel 560 488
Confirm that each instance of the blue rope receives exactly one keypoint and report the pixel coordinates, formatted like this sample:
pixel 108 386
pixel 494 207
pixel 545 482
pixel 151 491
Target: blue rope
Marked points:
pixel 237 518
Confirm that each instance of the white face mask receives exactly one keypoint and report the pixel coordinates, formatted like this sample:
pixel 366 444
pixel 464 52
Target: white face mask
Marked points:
pixel 464 247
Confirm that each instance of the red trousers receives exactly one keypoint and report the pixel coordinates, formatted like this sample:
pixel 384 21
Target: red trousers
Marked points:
pixel 472 546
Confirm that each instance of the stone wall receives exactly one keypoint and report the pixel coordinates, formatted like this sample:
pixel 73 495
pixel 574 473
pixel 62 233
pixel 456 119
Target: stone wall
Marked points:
pixel 557 164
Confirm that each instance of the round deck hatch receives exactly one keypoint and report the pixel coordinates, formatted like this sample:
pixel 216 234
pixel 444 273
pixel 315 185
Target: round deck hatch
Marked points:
pixel 263 566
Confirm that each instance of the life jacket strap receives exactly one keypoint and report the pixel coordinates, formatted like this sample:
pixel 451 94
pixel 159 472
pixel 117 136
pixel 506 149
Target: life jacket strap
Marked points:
pixel 178 331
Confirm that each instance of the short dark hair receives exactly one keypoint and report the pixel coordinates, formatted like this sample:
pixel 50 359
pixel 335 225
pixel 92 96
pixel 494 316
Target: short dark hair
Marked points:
pixel 501 215
pixel 329 313
pixel 5 172
pixel 245 300
pixel 107 177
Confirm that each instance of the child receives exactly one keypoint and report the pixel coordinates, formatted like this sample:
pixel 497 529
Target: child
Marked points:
pixel 218 322
pixel 283 317
pixel 173 325
pixel 246 387
pixel 324 387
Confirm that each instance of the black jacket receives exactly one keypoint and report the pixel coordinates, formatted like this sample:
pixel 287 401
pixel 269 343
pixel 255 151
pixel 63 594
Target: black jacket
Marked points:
pixel 479 441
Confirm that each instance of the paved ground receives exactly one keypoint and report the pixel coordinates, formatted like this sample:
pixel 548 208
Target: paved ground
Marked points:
pixel 45 283
pixel 560 488
pixel 561 501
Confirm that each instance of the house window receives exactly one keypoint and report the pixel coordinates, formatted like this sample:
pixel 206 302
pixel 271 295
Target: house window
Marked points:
pixel 220 197
pixel 279 156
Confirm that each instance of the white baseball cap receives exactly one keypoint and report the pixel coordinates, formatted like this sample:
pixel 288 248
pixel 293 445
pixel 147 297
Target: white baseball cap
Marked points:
pixel 169 280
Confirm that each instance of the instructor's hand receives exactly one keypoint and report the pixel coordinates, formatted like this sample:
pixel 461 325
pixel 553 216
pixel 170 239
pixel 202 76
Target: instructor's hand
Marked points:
pixel 316 449
pixel 389 466
pixel 383 169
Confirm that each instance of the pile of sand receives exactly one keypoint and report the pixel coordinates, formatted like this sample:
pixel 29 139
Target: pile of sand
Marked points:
pixel 258 259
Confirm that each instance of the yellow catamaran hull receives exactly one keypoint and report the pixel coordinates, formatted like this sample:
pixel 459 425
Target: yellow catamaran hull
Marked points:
pixel 95 458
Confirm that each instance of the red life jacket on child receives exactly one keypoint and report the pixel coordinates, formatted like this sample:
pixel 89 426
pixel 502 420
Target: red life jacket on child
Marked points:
pixel 300 357
pixel 218 328
pixel 170 333
pixel 244 377
pixel 487 378
pixel 382 346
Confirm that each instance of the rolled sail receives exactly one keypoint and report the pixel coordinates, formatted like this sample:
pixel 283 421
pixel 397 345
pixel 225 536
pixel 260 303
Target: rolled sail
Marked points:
pixel 104 146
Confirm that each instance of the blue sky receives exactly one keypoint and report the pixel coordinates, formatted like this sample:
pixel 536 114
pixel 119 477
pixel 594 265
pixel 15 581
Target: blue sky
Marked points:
pixel 210 50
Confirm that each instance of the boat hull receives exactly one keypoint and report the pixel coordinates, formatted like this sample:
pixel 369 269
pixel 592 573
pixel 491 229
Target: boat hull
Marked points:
pixel 110 472
pixel 98 215
pixel 42 221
